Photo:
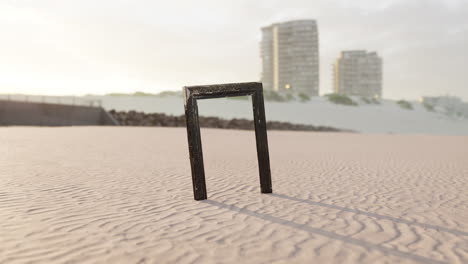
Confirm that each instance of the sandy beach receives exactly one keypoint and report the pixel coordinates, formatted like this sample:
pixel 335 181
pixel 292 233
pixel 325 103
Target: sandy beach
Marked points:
pixel 124 195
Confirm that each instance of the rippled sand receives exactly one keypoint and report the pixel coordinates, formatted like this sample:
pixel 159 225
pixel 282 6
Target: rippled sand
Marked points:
pixel 124 195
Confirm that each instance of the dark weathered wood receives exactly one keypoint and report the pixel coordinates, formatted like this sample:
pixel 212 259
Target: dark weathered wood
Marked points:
pixel 220 90
pixel 195 149
pixel 262 141
pixel 192 94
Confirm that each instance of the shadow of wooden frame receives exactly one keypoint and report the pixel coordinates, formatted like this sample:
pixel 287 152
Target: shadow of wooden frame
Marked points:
pixel 194 93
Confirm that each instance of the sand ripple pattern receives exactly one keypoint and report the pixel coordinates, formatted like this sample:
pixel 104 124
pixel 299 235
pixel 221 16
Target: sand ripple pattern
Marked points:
pixel 124 195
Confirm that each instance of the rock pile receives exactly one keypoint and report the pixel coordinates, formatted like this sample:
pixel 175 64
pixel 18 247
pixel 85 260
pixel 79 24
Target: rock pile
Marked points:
pixel 134 118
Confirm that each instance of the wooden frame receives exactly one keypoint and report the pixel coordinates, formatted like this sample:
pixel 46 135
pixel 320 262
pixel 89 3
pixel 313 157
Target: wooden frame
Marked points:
pixel 194 93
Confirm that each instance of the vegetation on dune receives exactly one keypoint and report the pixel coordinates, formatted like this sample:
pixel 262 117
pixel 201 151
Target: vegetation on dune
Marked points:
pixel 273 96
pixel 304 97
pixel 268 95
pixel 112 94
pixel 405 104
pixel 371 100
pixel 169 93
pixel 341 99
pixel 366 100
pixel 428 107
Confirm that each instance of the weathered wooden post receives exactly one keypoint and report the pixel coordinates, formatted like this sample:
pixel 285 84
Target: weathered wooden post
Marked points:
pixel 192 94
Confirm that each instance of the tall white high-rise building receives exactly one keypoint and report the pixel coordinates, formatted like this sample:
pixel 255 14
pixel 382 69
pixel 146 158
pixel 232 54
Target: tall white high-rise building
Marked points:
pixel 290 57
pixel 359 73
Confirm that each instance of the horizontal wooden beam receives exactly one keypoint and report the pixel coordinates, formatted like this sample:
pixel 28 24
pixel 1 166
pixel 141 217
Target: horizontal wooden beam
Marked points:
pixel 221 90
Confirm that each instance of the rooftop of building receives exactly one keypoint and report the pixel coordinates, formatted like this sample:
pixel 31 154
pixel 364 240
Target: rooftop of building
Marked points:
pixel 298 22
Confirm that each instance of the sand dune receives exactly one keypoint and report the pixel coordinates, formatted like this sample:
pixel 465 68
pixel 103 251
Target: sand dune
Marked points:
pixel 387 117
pixel 124 195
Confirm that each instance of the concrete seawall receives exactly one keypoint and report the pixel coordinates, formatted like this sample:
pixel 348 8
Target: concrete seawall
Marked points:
pixel 15 113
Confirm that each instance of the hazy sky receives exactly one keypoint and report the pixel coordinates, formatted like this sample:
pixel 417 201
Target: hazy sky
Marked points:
pixel 100 46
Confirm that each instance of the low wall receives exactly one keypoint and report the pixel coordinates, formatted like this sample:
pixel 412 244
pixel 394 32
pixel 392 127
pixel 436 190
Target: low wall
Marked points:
pixel 15 113
pixel 133 118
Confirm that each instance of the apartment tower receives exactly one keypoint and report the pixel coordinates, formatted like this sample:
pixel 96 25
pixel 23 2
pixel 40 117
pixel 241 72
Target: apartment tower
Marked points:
pixel 290 57
pixel 358 73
